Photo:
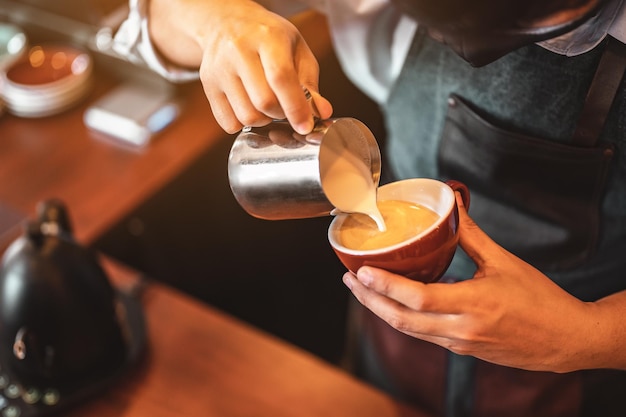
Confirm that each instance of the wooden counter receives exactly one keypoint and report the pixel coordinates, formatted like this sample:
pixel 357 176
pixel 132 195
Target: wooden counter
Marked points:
pixel 201 362
pixel 100 181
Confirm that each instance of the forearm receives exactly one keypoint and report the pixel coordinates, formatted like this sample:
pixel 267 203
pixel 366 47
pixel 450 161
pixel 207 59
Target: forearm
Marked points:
pixel 607 343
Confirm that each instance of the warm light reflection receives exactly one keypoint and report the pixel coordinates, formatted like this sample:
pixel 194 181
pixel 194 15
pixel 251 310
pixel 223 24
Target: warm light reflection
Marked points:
pixel 58 61
pixel 16 43
pixel 80 64
pixel 36 57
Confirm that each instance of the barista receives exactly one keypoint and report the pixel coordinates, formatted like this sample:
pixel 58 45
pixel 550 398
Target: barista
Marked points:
pixel 523 325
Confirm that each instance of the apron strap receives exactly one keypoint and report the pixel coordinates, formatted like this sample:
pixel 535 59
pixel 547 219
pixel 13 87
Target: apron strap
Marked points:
pixel 602 91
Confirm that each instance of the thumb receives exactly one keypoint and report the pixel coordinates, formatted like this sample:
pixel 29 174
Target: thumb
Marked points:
pixel 476 243
pixel 320 106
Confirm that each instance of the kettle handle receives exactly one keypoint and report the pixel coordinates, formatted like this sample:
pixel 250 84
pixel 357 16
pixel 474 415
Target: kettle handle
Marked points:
pixel 54 211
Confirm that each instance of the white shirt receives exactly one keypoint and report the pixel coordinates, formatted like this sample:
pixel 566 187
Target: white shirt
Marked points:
pixel 371 38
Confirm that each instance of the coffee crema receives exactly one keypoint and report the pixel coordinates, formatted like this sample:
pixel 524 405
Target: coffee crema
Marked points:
pixel 403 219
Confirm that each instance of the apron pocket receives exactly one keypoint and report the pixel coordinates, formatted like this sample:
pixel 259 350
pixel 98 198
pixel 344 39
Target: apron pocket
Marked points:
pixel 537 198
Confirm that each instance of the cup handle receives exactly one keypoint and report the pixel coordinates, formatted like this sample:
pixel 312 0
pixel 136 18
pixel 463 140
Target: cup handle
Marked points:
pixel 461 188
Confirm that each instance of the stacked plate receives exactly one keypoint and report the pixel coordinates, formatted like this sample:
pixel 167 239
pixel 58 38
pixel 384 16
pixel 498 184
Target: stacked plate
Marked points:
pixel 13 44
pixel 47 80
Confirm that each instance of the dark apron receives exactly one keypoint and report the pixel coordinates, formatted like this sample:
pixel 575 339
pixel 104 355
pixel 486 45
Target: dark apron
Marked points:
pixel 545 185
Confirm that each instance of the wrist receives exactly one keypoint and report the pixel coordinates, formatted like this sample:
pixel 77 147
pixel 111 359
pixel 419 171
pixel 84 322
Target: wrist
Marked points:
pixel 610 343
pixel 599 339
pixel 171 26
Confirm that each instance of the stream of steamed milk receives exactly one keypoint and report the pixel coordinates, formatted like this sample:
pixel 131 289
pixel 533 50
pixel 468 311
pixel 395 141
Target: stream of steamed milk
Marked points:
pixel 348 184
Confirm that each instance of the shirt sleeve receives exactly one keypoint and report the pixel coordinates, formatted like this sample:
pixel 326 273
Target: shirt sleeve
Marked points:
pixel 132 42
pixel 372 39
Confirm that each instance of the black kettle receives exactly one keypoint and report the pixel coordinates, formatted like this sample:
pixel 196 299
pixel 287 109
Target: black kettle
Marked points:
pixel 64 330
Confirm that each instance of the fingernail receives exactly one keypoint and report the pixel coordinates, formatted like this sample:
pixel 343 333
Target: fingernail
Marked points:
pixel 305 128
pixel 347 280
pixel 364 275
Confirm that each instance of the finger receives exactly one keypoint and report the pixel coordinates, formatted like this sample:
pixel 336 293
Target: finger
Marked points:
pixel 223 113
pixel 308 71
pixel 438 298
pixel 297 109
pixel 321 106
pixel 259 91
pixel 227 100
pixel 230 98
pixel 472 239
pixel 401 317
pixel 220 106
pixel 380 305
pixel 245 111
pixel 284 80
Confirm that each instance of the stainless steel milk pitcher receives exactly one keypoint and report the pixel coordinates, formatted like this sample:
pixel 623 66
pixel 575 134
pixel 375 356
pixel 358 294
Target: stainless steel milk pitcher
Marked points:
pixel 276 173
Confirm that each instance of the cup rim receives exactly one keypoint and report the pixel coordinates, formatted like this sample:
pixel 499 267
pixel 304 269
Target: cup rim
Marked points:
pixel 67 81
pixel 340 217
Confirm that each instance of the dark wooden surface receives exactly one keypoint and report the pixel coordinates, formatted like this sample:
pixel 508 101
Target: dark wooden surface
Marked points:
pixel 201 362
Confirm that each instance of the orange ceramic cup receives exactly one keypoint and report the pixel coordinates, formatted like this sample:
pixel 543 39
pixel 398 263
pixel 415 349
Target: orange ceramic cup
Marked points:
pixel 424 257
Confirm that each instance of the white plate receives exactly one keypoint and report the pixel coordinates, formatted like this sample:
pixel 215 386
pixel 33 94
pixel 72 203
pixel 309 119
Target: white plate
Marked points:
pixel 47 80
pixel 13 44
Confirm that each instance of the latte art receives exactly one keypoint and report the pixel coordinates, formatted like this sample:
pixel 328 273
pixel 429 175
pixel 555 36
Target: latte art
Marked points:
pixel 403 219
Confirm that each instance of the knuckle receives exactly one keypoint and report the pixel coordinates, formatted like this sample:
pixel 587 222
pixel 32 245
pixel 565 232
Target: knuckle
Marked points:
pixel 206 78
pixel 398 322
pixel 467 336
pixel 420 302
pixel 312 70
pixel 266 103
pixel 234 43
pixel 281 30
pixel 250 119
pixel 231 127
pixel 279 74
pixel 382 285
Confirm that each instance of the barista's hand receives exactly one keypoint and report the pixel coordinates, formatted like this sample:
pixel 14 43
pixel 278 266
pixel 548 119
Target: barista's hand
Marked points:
pixel 253 63
pixel 509 313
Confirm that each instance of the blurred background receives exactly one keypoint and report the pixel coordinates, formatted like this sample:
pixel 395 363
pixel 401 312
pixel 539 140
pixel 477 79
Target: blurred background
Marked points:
pixel 281 276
